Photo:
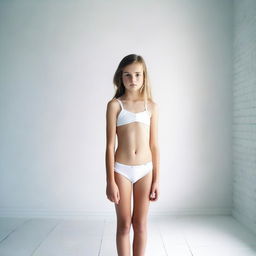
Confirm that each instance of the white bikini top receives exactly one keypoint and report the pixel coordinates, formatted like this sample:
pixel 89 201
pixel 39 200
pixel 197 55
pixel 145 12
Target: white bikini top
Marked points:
pixel 126 117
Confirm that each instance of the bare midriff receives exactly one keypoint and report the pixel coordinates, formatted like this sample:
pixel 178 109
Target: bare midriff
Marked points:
pixel 133 144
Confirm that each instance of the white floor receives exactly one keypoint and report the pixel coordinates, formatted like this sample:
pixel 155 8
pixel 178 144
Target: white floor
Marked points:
pixel 95 236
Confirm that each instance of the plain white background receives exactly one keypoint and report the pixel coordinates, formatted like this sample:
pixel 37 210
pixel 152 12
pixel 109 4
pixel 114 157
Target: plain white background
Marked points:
pixel 57 63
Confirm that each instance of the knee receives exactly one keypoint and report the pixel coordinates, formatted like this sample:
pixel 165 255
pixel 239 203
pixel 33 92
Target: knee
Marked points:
pixel 139 226
pixel 123 227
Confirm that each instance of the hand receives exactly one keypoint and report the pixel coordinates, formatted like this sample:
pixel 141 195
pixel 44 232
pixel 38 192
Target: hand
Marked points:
pixel 112 192
pixel 154 191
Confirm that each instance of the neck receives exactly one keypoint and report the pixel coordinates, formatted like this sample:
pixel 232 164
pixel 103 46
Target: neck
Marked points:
pixel 132 96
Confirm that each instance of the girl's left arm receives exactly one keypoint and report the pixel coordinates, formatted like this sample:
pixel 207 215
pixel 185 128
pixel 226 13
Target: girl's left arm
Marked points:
pixel 154 142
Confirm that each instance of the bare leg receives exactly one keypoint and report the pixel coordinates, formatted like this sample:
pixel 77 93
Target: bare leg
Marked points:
pixel 123 212
pixel 141 193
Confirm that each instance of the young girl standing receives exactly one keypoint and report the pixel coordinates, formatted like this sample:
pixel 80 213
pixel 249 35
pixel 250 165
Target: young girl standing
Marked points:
pixel 132 115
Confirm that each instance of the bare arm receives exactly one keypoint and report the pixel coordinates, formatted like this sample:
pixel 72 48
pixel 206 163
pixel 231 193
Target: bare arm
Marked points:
pixel 110 140
pixel 112 190
pixel 154 142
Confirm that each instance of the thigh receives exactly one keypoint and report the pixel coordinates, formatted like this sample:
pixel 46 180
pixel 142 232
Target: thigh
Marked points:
pixel 141 193
pixel 123 208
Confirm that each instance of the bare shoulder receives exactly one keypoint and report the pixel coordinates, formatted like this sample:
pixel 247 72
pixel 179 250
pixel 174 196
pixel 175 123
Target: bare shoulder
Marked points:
pixel 152 105
pixel 112 104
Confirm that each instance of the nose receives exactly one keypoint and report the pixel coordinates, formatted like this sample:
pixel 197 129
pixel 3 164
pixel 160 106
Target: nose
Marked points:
pixel 133 78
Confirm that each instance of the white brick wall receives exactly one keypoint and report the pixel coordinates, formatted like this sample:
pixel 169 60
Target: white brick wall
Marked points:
pixel 244 113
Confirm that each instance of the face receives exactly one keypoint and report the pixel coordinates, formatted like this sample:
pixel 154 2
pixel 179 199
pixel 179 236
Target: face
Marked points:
pixel 133 77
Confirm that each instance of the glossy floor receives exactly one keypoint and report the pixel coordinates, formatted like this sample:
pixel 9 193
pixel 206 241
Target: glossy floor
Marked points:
pixel 95 236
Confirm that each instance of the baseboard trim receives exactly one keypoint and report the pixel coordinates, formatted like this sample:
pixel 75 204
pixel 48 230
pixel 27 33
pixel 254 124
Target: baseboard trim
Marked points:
pixel 47 213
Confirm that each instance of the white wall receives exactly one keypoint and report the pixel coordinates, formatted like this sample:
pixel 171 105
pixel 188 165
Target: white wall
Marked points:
pixel 244 113
pixel 57 63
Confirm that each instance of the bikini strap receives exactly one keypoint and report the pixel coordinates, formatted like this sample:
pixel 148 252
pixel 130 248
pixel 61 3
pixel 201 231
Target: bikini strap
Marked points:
pixel 120 103
pixel 146 107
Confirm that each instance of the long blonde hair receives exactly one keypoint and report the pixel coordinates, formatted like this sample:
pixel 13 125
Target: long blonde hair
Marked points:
pixel 145 90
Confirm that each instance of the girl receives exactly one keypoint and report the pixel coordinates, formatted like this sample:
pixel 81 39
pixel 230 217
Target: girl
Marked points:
pixel 133 116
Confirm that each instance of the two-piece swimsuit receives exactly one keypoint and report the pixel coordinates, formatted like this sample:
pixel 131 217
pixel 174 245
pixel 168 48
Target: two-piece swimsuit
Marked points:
pixel 133 172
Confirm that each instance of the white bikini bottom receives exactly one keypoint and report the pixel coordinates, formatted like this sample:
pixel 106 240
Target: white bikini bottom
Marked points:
pixel 133 172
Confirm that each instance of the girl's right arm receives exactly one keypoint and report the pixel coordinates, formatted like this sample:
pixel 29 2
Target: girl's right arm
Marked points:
pixel 112 190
